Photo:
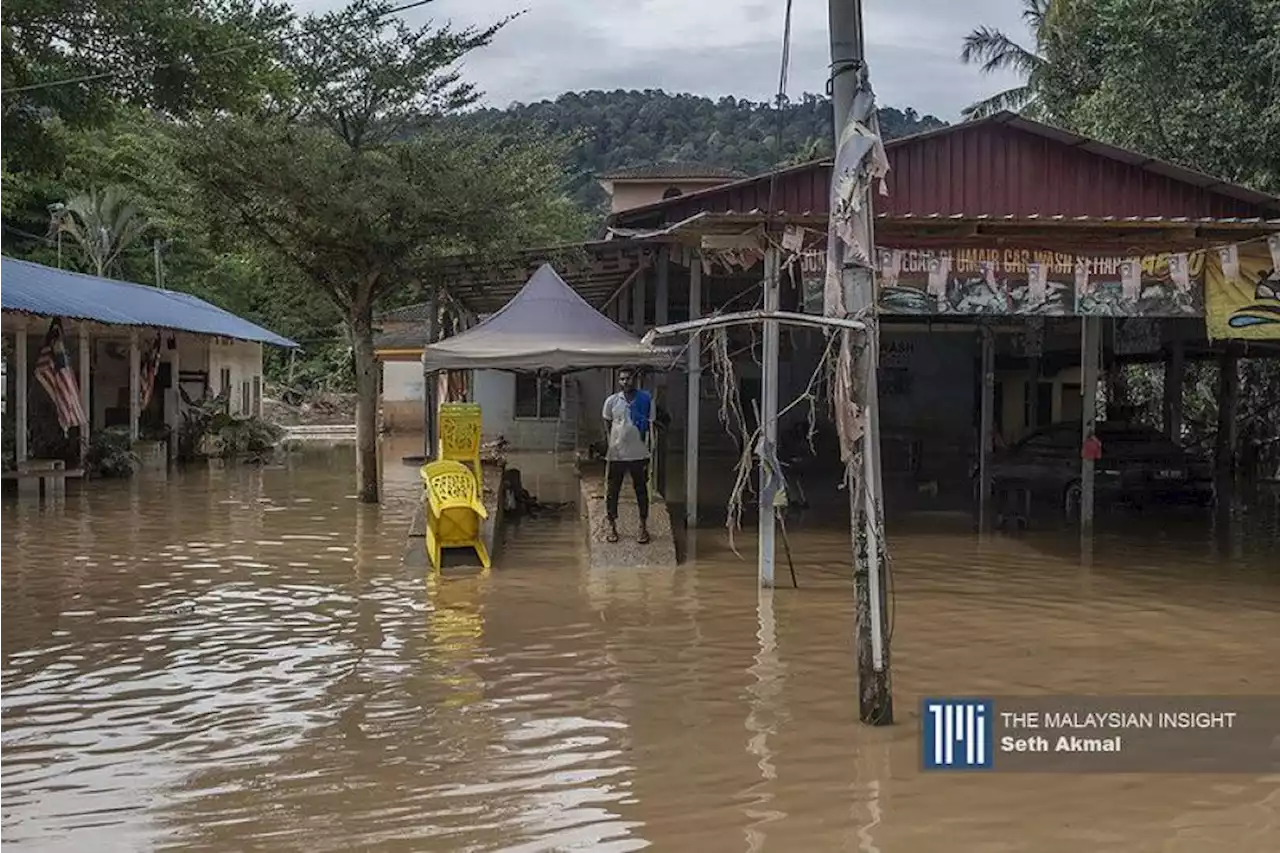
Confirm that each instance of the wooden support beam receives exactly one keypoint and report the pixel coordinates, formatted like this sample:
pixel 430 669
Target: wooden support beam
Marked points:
pixel 135 385
pixel 639 300
pixel 85 379
pixel 430 387
pixel 173 399
pixel 662 296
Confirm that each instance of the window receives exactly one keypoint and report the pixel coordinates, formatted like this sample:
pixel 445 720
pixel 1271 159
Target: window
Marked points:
pixel 537 397
pixel 244 397
pixel 224 383
pixel 257 396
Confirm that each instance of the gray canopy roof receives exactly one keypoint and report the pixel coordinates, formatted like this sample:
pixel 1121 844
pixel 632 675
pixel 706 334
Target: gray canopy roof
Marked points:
pixel 546 326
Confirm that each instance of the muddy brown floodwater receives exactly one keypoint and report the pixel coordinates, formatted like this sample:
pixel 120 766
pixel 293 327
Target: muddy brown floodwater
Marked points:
pixel 236 660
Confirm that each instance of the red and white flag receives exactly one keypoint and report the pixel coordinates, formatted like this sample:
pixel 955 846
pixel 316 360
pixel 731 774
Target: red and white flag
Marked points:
pixel 53 370
pixel 147 373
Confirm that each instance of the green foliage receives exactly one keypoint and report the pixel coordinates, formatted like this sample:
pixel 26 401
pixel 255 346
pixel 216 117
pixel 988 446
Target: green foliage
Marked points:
pixel 111 453
pixel 628 128
pixel 9 446
pixel 100 224
pixel 251 437
pixel 1192 81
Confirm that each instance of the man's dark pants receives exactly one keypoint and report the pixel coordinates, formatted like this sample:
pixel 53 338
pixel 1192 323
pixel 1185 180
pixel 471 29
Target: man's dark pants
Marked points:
pixel 639 470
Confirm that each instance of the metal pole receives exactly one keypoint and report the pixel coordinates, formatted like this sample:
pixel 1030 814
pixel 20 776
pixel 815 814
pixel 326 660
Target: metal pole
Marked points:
pixel 985 428
pixel 693 417
pixel 155 254
pixel 769 420
pixel 848 76
pixel 1091 339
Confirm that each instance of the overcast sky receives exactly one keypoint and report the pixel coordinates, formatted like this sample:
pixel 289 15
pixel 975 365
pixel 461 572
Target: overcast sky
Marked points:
pixel 719 47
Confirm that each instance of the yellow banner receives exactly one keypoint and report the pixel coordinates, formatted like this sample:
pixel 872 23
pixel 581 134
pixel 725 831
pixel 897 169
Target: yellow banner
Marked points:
pixel 1242 291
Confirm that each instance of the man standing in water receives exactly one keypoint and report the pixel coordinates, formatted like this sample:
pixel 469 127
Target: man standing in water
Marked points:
pixel 628 415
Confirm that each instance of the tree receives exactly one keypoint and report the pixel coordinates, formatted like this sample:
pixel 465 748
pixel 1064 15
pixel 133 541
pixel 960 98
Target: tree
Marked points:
pixel 996 51
pixel 101 224
pixel 357 184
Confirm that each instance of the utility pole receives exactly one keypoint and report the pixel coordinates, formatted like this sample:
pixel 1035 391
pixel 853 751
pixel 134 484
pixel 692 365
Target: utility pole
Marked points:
pixel 849 80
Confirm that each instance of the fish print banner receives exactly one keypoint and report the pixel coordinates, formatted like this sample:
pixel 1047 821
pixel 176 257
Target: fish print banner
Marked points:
pixel 1244 291
pixel 1023 282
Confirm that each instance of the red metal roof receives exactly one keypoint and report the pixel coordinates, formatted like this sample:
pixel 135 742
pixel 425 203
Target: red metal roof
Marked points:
pixel 1002 166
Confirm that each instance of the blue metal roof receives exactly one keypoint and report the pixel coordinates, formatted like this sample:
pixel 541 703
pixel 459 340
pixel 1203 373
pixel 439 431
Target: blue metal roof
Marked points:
pixel 37 289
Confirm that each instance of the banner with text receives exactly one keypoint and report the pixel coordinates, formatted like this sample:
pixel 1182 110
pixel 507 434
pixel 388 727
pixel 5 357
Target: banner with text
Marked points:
pixel 1243 287
pixel 1024 282
pixel 1100 734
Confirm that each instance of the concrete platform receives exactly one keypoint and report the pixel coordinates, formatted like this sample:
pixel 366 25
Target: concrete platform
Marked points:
pixel 626 553
pixel 460 559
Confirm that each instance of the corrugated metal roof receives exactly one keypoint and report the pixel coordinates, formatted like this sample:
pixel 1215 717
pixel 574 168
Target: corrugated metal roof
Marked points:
pixel 37 289
pixel 416 313
pixel 1002 166
pixel 671 171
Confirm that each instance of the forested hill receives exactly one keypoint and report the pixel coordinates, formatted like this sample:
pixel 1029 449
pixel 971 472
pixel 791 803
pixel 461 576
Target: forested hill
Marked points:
pixel 628 128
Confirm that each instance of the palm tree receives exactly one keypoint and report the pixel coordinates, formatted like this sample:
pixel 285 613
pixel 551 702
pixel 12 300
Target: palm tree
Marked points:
pixel 102 224
pixel 996 51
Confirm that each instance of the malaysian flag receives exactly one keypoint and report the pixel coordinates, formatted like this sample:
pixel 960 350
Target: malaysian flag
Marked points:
pixel 147 372
pixel 53 370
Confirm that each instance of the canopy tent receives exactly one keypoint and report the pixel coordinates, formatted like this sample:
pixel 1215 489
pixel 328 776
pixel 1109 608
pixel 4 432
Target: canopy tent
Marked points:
pixel 546 326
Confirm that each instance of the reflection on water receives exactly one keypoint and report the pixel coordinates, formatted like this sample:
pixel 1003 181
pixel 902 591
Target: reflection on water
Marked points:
pixel 236 660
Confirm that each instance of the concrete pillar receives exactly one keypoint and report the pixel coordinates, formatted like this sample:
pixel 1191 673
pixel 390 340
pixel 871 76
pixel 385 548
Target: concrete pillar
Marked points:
pixel 693 418
pixel 21 434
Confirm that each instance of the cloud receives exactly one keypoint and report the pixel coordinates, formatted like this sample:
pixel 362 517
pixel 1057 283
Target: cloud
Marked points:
pixel 719 47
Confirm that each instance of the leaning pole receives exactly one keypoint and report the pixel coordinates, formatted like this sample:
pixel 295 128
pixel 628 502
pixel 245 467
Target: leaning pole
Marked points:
pixel 851 294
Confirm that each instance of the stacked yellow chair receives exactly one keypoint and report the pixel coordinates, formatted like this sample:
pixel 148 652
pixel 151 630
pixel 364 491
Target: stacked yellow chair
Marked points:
pixel 460 427
pixel 453 486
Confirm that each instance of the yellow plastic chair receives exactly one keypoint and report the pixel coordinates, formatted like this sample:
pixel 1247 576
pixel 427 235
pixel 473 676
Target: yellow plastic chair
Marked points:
pixel 454 512
pixel 460 426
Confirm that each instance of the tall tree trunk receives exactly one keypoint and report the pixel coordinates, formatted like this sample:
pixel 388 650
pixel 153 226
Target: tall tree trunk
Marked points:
pixel 366 366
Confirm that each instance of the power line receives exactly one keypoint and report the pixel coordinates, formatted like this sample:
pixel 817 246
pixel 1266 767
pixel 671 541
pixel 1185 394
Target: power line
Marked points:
pixel 143 69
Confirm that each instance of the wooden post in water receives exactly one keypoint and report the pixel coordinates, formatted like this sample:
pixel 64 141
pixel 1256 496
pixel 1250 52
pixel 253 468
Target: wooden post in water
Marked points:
pixel 693 417
pixel 875 705
pixel 1090 344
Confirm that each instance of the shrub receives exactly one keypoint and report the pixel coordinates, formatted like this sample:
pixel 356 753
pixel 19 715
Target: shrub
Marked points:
pixel 111 453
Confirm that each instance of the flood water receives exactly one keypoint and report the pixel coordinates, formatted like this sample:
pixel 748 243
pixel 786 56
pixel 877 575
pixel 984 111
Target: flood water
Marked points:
pixel 236 660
